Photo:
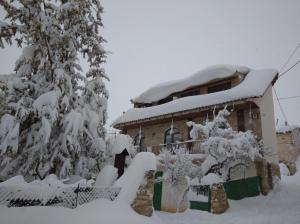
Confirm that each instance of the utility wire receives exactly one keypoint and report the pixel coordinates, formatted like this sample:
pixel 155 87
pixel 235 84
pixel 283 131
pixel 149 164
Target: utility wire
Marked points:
pixel 290 57
pixel 286 98
pixel 283 73
pixel 280 106
pixel 290 68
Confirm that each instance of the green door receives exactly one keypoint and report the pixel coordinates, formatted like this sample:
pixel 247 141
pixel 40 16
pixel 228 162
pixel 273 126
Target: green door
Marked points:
pixel 157 192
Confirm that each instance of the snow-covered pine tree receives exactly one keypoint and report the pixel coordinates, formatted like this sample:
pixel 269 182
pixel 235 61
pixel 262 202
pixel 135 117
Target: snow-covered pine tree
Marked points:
pixel 225 147
pixel 56 113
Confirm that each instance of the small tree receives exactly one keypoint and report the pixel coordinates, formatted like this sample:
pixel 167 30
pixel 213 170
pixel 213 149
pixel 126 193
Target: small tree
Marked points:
pixel 225 147
pixel 175 165
pixel 55 114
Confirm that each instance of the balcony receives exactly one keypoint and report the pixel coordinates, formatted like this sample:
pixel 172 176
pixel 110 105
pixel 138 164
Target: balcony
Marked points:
pixel 190 147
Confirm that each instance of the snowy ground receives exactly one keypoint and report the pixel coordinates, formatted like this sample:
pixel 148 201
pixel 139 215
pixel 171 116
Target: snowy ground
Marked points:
pixel 97 212
pixel 280 206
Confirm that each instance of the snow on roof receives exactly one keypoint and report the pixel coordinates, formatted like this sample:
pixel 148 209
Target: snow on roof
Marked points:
pixel 254 85
pixel 207 75
pixel 286 128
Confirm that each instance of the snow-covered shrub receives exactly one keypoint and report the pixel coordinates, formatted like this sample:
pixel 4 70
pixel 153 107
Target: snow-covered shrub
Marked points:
pixel 175 166
pixel 225 147
pixel 55 114
pixel 211 179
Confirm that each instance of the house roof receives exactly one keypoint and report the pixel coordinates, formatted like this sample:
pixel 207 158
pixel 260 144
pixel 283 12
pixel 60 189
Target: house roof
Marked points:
pixel 212 73
pixel 286 128
pixel 254 85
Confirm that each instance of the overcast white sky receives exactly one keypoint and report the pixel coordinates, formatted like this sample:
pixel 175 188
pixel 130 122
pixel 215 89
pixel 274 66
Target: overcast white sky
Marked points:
pixel 161 40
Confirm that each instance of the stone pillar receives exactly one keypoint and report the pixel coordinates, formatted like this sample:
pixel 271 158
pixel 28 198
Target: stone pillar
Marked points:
pixel 292 168
pixel 219 202
pixel 262 171
pixel 143 202
pixel 275 173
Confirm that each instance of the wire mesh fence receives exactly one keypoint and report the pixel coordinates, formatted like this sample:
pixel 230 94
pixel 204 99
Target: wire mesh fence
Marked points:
pixel 69 197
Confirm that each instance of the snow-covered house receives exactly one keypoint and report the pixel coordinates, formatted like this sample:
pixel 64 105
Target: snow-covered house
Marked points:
pixel 288 140
pixel 160 113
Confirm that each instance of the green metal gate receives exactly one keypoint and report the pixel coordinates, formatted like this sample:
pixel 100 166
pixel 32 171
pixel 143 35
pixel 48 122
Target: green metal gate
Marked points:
pixel 238 189
pixel 202 190
pixel 157 192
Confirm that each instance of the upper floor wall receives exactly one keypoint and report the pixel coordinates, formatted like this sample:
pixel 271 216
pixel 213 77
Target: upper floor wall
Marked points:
pixel 210 87
pixel 217 85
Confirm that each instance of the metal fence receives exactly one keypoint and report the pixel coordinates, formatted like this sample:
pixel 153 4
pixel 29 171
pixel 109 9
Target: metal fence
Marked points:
pixel 204 201
pixel 69 197
pixel 191 146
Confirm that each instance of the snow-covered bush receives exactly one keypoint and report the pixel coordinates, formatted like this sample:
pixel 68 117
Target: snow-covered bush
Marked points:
pixel 175 166
pixel 225 147
pixel 55 114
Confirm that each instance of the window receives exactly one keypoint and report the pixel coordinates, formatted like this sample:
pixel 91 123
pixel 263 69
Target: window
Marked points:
pixel 139 142
pixel 191 93
pixel 166 100
pixel 172 136
pixel 219 87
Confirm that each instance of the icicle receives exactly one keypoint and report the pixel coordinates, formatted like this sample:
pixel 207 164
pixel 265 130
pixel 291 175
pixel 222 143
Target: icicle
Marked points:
pixel 250 116
pixel 172 128
pixel 140 134
pixel 232 108
pixel 214 111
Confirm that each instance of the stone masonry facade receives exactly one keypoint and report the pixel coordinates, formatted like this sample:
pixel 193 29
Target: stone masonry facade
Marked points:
pixel 155 133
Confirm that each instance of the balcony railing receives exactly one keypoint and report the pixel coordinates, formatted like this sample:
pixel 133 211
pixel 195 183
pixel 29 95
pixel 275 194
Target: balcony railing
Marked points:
pixel 190 146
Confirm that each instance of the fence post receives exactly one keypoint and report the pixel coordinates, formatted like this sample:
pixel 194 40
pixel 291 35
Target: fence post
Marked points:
pixel 77 194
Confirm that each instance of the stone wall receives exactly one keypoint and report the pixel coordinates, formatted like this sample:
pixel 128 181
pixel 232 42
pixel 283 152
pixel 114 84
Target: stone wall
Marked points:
pixel 287 152
pixel 219 202
pixel 143 203
pixel 155 133
pixel 262 172
pixel 292 167
pixel 268 172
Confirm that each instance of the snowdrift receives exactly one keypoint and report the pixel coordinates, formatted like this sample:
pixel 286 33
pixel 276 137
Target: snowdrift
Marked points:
pixel 134 176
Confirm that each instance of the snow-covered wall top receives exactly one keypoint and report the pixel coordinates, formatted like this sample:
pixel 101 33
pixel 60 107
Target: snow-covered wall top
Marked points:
pixel 254 85
pixel 134 176
pixel 207 75
pixel 286 128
